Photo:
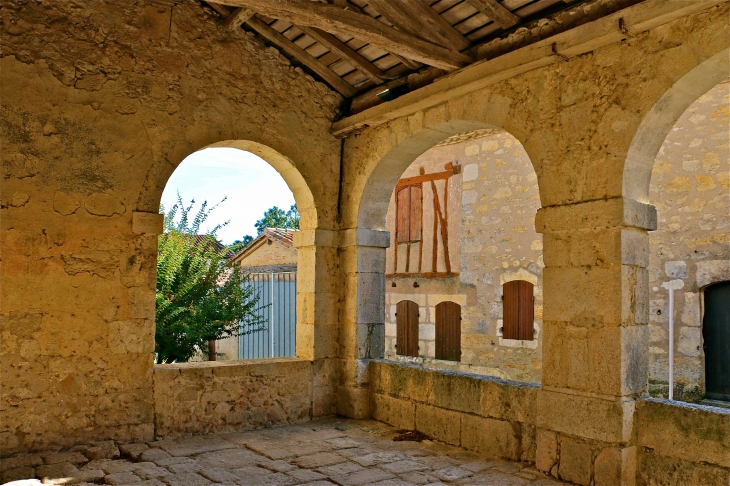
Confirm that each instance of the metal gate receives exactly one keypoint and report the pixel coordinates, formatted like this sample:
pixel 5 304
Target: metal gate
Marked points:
pixel 278 307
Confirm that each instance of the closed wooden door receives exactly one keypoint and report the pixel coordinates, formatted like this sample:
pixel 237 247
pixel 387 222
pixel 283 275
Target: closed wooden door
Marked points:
pixel 716 334
pixel 518 310
pixel 406 318
pixel 448 331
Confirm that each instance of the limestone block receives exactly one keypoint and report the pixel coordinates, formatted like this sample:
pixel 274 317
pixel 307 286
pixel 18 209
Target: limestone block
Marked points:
pixel 362 259
pixel 470 172
pixel 508 400
pixel 400 380
pixel 455 391
pixel 427 332
pixel 104 205
pixel 582 416
pixel 575 461
pixel 684 431
pixel 676 269
pixel 690 341
pixel 394 411
pixel 656 468
pixel 691 311
pixel 364 237
pixel 353 402
pixel 712 271
pixel 494 438
pixel 147 223
pixel 439 423
pixel 604 213
pixel 547 450
pixel 614 465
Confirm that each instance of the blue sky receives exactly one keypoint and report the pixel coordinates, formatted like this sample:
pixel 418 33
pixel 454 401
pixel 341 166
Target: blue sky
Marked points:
pixel 251 185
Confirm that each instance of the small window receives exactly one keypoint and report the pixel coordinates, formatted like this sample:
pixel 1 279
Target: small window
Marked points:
pixel 519 310
pixel 448 331
pixel 409 205
pixel 406 319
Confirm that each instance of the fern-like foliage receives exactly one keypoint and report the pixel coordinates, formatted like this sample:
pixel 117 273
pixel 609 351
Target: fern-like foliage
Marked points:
pixel 201 296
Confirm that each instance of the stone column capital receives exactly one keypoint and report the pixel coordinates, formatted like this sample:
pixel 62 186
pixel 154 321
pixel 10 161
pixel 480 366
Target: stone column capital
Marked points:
pixel 364 237
pixel 599 214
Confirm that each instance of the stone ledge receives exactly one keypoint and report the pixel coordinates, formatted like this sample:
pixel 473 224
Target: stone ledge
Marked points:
pixel 364 237
pixel 603 213
pixel 686 431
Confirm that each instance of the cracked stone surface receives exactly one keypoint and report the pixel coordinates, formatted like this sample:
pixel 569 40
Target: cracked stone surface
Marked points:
pixel 325 452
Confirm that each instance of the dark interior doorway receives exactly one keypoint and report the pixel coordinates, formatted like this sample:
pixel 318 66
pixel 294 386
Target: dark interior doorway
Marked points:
pixel 716 337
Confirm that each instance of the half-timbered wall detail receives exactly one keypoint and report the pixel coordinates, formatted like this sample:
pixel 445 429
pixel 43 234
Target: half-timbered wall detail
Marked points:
pixel 411 231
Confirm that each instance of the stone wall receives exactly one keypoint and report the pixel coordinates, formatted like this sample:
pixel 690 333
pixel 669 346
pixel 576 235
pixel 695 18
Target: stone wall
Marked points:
pixel 493 201
pixel 680 443
pixel 690 187
pixel 100 102
pixel 485 414
pixel 211 397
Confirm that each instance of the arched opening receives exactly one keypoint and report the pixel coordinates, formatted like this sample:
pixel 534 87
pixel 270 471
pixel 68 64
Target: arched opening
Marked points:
pixel 265 255
pixel 690 188
pixel 460 214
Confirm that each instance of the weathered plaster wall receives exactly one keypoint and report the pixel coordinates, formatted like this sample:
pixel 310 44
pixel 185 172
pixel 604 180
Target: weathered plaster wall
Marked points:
pixel 100 102
pixel 492 222
pixel 690 187
pixel 211 397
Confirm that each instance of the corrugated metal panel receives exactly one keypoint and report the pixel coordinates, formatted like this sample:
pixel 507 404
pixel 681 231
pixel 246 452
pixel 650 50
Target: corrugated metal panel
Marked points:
pixel 406 316
pixel 448 331
pixel 277 305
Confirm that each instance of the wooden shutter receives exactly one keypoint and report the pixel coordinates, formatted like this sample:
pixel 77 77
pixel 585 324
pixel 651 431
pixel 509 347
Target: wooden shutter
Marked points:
pixel 402 217
pixel 518 310
pixel 415 214
pixel 406 318
pixel 448 331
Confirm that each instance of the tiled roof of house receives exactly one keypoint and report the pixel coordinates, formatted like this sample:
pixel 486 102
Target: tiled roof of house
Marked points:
pixel 284 236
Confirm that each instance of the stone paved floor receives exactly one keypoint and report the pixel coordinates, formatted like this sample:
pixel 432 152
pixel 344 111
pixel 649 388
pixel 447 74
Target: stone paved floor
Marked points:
pixel 319 453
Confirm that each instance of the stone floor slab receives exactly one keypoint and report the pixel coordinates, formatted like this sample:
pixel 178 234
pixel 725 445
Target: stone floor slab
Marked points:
pixel 322 453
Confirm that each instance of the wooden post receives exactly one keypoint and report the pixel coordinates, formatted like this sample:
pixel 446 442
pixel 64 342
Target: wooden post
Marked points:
pixel 211 351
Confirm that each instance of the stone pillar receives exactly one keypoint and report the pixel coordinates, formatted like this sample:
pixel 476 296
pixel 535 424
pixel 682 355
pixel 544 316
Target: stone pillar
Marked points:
pixel 362 316
pixel 595 348
pixel 317 312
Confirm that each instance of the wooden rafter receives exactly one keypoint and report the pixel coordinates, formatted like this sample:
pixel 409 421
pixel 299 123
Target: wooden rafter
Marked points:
pixel 351 6
pixel 497 12
pixel 337 20
pixel 271 34
pixel 420 20
pixel 237 18
pixel 338 47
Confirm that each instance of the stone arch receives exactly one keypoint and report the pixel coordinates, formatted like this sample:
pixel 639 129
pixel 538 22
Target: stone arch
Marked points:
pixel 661 118
pixel 377 191
pixel 282 164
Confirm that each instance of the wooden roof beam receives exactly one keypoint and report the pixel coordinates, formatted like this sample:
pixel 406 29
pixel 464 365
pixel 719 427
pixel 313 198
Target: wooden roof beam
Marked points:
pixel 237 18
pixel 497 12
pixel 419 19
pixel 346 52
pixel 338 20
pixel 329 76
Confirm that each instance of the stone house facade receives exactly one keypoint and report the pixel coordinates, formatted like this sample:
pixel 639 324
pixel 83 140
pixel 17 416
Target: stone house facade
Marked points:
pixel 492 206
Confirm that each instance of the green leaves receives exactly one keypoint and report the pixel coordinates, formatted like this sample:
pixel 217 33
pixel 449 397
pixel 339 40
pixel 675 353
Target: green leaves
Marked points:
pixel 278 218
pixel 201 295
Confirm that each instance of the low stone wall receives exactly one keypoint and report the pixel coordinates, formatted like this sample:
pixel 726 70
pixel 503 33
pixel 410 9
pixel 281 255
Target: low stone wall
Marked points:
pixel 211 397
pixel 680 443
pixel 479 413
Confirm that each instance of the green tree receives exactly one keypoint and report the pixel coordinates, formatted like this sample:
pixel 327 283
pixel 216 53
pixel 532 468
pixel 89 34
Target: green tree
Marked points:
pixel 201 295
pixel 239 245
pixel 278 218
